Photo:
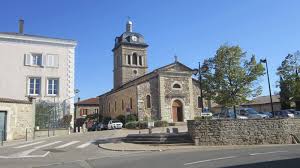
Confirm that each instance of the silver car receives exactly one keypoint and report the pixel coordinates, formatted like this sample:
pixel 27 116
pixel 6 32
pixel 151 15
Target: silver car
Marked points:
pixel 251 113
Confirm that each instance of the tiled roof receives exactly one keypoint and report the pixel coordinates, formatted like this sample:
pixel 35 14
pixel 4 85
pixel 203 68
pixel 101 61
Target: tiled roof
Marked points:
pixel 264 100
pixel 8 100
pixel 90 101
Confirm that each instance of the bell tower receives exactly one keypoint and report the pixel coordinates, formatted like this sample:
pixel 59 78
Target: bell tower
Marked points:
pixel 130 56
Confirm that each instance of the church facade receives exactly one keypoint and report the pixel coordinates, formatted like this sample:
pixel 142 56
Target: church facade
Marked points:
pixel 168 93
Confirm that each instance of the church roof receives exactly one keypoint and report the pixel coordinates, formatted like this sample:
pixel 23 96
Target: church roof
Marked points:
pixel 148 75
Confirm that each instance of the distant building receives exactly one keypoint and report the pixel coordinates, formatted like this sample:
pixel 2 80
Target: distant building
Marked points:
pixel 168 93
pixel 87 107
pixel 39 67
pixel 263 103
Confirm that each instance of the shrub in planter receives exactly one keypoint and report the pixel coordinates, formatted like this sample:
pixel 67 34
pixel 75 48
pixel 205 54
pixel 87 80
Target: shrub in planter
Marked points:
pixel 161 124
pixel 171 124
pixel 203 118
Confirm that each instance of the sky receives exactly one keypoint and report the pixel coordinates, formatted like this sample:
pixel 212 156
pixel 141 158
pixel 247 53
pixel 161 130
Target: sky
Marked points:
pixel 191 29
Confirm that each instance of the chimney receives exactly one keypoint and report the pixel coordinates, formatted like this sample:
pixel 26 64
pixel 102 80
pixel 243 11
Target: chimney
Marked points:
pixel 21 26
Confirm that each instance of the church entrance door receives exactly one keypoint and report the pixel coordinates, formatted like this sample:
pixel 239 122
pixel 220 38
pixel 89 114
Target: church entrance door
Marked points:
pixel 177 111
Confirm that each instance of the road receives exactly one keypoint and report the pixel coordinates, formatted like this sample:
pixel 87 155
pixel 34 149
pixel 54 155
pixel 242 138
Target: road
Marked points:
pixel 81 151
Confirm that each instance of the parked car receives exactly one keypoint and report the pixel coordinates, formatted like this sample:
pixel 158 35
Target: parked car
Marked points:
pixel 229 114
pixel 97 127
pixel 269 114
pixel 252 113
pixel 284 114
pixel 206 114
pixel 114 124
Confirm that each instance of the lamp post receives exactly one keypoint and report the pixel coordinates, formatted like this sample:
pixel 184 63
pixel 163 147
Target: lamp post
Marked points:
pixel 266 62
pixel 199 72
pixel 75 110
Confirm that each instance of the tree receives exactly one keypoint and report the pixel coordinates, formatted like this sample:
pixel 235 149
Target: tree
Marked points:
pixel 229 78
pixel 289 76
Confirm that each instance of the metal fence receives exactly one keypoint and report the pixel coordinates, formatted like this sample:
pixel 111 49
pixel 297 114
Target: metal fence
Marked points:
pixel 51 115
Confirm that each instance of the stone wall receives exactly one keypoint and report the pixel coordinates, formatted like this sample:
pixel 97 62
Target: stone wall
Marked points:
pixel 111 104
pixel 19 117
pixel 245 132
pixel 148 88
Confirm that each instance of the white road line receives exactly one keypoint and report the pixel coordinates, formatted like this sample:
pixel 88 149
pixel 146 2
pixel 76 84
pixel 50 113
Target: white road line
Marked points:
pixel 31 144
pixel 253 154
pixel 85 144
pixel 67 144
pixel 209 160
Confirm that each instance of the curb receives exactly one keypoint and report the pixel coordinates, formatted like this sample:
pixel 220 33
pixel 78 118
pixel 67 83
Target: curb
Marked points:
pixel 132 150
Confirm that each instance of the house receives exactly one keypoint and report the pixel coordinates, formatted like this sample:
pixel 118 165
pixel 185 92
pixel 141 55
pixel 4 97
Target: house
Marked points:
pixel 263 103
pixel 39 67
pixel 87 107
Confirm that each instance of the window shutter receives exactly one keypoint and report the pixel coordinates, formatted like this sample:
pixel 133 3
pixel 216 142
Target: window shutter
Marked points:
pixel 44 60
pixel 56 60
pixel 27 60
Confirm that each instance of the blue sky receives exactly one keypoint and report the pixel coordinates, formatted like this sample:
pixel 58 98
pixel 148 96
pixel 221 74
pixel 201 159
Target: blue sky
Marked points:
pixel 191 29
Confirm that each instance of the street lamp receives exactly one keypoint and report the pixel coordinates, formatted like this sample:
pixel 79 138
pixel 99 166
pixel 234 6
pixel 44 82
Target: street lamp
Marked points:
pixel 266 62
pixel 199 72
pixel 75 109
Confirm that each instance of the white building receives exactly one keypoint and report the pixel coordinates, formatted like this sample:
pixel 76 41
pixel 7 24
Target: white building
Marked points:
pixel 37 66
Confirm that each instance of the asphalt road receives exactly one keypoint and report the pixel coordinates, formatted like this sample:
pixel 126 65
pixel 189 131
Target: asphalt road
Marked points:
pixel 81 151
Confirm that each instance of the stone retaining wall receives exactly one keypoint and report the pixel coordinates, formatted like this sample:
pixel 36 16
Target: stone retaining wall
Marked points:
pixel 245 132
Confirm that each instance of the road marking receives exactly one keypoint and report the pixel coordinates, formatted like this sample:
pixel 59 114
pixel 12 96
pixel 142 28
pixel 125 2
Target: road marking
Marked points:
pixel 25 154
pixel 31 144
pixel 85 144
pixel 253 154
pixel 209 160
pixel 67 144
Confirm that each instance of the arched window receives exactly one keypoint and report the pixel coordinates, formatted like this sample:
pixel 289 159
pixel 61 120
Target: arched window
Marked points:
pixel 148 101
pixel 115 106
pixel 128 60
pixel 176 86
pixel 130 103
pixel 122 104
pixel 134 59
pixel 109 107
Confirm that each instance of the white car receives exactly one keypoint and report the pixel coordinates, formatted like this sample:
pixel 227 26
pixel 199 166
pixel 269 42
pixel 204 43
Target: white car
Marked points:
pixel 251 113
pixel 206 114
pixel 114 124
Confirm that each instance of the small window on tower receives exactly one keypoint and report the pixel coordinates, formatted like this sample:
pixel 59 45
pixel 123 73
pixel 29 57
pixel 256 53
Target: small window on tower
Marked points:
pixel 134 59
pixel 140 61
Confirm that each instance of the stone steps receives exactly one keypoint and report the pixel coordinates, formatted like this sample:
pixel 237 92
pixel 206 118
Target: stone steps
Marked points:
pixel 181 138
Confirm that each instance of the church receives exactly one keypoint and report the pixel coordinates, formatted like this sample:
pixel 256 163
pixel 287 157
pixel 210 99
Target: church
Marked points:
pixel 168 93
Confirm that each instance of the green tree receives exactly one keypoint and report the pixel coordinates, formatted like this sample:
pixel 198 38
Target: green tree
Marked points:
pixel 289 74
pixel 229 78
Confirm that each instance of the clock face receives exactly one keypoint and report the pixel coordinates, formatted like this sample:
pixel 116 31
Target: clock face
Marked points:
pixel 133 38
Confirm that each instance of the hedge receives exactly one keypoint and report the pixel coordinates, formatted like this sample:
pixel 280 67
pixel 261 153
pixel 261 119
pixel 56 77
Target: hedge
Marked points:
pixel 144 124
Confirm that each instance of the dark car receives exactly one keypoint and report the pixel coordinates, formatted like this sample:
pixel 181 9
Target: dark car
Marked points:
pixel 284 114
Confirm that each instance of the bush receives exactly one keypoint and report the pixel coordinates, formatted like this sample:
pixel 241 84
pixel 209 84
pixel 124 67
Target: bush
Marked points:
pixel 131 125
pixel 136 125
pixel 161 124
pixel 171 124
pixel 131 117
pixel 203 118
pixel 121 118
pixel 106 119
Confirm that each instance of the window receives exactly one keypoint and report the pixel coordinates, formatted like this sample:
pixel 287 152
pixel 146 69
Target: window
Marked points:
pixel 52 60
pixel 115 106
pixel 199 102
pixel 109 107
pixel 122 104
pixel 36 59
pixel 52 86
pixel 176 86
pixel 148 101
pixel 34 86
pixel 140 60
pixel 128 60
pixel 130 103
pixel 134 57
